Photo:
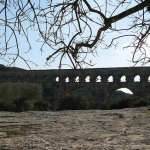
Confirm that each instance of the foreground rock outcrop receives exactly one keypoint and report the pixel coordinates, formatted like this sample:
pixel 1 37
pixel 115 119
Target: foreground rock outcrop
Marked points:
pixel 126 129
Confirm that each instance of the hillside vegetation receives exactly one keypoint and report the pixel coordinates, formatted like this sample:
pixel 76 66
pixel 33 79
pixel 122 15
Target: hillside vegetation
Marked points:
pixel 5 68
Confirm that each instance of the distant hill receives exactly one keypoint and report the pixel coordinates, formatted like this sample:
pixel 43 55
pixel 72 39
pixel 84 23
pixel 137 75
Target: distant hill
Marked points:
pixel 4 68
pixel 119 94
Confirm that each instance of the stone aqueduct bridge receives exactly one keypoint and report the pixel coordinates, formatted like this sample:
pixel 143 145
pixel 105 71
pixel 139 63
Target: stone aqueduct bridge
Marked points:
pixel 100 90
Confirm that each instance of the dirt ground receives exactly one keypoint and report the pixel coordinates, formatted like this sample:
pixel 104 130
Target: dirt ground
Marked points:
pixel 126 129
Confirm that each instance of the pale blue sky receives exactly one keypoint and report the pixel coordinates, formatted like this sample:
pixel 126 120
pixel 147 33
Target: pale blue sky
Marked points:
pixel 107 57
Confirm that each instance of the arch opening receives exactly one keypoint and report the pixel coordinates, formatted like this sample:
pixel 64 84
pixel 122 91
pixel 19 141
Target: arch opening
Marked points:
pixel 125 90
pixel 137 78
pixel 149 79
pixel 121 93
pixel 67 79
pixel 57 79
pixel 110 79
pixel 123 79
pixel 98 79
pixel 77 79
pixel 87 79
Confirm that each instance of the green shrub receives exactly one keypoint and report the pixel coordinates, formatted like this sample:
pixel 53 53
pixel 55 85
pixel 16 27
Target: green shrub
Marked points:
pixel 141 102
pixel 51 101
pixel 41 105
pixel 72 103
pixel 119 104
pixel 7 106
pixel 130 103
pixel 21 95
pixel 102 105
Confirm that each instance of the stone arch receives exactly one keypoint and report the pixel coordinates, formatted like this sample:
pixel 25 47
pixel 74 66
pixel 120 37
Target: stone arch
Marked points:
pixel 57 79
pixel 137 78
pixel 67 79
pixel 98 79
pixel 87 79
pixel 126 90
pixel 123 78
pixel 149 79
pixel 121 93
pixel 110 79
pixel 77 79
pixel 112 90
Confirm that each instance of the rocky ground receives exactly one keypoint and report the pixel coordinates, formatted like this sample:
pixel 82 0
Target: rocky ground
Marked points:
pixel 126 129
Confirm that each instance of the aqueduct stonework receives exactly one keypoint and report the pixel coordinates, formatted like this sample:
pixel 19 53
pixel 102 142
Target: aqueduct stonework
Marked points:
pixel 100 90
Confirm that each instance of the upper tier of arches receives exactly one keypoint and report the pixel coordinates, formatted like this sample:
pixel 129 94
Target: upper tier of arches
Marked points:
pixel 103 75
pixel 136 78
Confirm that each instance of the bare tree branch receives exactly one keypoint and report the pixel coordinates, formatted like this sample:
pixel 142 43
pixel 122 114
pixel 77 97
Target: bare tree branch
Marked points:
pixel 73 28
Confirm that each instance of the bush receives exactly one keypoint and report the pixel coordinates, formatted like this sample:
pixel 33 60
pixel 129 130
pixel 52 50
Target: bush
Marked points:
pixel 130 103
pixel 72 103
pixel 41 105
pixel 141 102
pixel 119 104
pixel 21 96
pixel 7 106
pixel 102 105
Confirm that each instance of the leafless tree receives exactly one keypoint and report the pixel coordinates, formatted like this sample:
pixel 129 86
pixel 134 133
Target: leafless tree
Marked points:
pixel 67 27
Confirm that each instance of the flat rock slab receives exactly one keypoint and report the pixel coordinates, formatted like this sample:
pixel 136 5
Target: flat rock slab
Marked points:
pixel 126 129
